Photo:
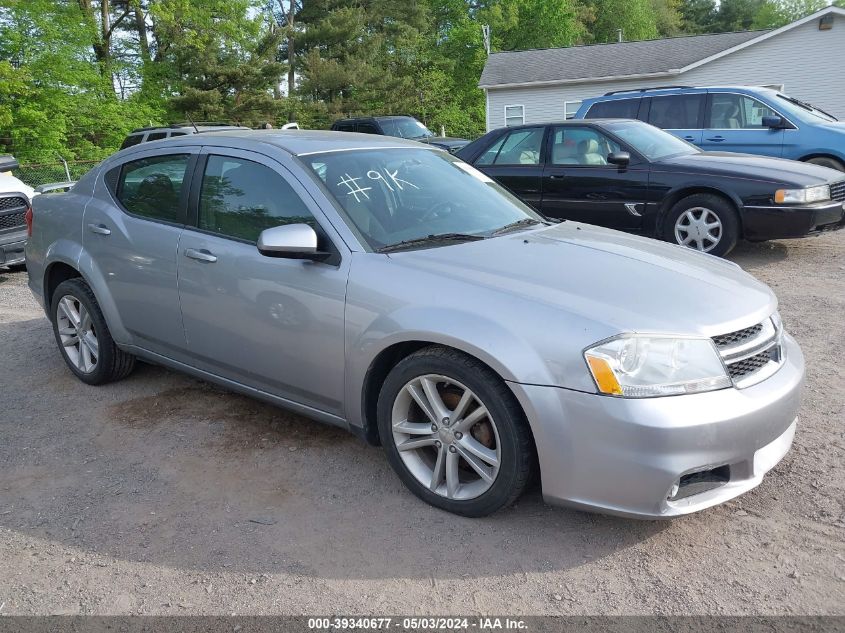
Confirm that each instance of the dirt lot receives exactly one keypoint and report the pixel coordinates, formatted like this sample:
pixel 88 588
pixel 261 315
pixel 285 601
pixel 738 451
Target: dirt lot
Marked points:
pixel 164 495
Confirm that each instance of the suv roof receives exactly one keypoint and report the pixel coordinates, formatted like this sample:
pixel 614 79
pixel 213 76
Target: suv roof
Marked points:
pixel 639 92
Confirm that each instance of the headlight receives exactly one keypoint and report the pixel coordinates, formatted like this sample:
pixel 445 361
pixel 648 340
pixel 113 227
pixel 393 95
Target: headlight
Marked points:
pixel 803 196
pixel 646 366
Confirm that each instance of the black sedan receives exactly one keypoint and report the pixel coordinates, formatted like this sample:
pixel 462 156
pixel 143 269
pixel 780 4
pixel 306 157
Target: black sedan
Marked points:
pixel 632 176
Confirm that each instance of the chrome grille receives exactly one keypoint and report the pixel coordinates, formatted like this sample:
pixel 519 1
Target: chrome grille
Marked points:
pixel 751 354
pixel 837 191
pixel 12 221
pixel 13 202
pixel 746 366
pixel 728 340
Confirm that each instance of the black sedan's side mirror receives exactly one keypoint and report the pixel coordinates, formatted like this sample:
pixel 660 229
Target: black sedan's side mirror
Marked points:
pixel 619 158
pixel 774 122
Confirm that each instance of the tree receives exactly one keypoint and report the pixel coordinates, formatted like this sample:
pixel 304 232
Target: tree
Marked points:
pixel 698 16
pixel 636 18
pixel 216 60
pixel 776 13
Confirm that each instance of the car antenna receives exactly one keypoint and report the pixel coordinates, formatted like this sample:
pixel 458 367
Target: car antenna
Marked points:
pixel 191 121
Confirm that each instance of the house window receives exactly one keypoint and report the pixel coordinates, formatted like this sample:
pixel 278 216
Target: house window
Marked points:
pixel 570 108
pixel 514 115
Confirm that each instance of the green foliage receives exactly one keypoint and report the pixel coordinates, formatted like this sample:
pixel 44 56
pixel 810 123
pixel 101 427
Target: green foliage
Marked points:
pixel 636 18
pixel 73 84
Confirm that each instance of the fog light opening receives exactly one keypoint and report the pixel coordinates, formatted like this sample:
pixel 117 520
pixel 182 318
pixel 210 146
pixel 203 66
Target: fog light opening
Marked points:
pixel 699 482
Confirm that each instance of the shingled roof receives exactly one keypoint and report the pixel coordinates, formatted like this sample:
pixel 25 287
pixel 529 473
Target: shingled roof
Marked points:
pixel 602 61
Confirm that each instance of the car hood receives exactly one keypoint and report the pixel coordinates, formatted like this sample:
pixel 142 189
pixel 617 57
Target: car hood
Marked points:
pixel 452 144
pixel 622 282
pixel 9 184
pixel 747 166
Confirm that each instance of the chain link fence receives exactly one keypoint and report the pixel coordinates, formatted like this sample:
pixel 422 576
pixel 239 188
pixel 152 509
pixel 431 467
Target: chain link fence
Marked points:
pixel 34 174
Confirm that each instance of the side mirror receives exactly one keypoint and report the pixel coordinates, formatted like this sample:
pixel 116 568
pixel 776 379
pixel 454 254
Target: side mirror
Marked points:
pixel 290 241
pixel 774 122
pixel 619 158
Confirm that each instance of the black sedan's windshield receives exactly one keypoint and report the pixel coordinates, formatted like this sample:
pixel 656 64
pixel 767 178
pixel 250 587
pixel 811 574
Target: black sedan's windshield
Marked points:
pixel 651 142
pixel 393 196
pixel 404 127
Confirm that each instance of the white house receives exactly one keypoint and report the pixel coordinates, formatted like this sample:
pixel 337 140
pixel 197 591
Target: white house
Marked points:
pixel 805 59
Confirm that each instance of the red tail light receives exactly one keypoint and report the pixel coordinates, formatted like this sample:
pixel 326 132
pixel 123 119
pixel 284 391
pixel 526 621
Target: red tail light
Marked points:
pixel 28 217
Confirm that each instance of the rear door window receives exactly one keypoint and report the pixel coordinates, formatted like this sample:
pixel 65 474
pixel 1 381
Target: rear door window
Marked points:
pixel 615 109
pixel 365 127
pixel 152 187
pixel 677 112
pixel 520 147
pixel 344 127
pixel 156 136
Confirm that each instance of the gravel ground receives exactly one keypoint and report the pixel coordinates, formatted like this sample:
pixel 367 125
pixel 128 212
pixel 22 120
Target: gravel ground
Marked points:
pixel 164 495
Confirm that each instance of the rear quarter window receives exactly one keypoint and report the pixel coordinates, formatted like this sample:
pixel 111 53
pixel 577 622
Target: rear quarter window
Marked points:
pixel 616 109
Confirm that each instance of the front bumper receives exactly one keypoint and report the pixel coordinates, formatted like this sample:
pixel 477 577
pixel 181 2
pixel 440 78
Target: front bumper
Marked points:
pixel 624 456
pixel 773 223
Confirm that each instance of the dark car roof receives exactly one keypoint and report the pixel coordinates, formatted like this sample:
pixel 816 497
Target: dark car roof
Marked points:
pixel 295 142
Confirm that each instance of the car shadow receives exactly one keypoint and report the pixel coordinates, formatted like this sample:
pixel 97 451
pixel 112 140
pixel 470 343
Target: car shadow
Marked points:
pixel 753 255
pixel 165 469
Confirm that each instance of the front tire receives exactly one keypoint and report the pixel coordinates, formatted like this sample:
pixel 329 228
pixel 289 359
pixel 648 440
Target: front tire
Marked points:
pixel 454 433
pixel 827 161
pixel 83 336
pixel 704 222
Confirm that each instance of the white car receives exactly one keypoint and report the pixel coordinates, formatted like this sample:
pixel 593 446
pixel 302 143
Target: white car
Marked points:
pixel 15 200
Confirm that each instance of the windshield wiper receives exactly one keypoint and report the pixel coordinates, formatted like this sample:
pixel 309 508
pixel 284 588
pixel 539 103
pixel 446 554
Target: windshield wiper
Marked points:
pixel 430 239
pixel 519 224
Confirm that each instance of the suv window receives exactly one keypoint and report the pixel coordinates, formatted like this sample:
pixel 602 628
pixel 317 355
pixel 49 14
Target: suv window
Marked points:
pixel 520 147
pixel 734 111
pixel 581 146
pixel 152 187
pixel 677 112
pixel 156 136
pixel 240 198
pixel 132 139
pixel 616 109
pixel 365 127
pixel 346 126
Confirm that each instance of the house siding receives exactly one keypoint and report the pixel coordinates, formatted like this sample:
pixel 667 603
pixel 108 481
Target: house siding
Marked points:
pixel 806 61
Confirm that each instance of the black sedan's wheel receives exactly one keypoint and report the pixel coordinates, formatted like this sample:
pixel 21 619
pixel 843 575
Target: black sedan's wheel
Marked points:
pixel 704 222
pixel 827 161
pixel 83 336
pixel 454 432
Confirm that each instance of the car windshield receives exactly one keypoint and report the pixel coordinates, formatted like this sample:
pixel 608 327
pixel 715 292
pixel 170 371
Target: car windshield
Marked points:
pixel 404 127
pixel 802 109
pixel 397 195
pixel 651 142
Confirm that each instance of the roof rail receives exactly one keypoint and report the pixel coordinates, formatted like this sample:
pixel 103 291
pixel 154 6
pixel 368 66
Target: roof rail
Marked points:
pixel 616 92
pixel 184 124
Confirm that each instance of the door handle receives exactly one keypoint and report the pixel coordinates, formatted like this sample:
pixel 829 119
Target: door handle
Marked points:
pixel 99 229
pixel 201 255
pixel 716 139
pixel 689 138
pixel 558 176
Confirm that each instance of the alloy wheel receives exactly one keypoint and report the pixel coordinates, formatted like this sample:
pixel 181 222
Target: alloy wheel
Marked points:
pixel 446 437
pixel 77 334
pixel 698 228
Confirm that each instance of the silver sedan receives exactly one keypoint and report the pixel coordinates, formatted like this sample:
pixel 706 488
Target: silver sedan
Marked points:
pixel 390 289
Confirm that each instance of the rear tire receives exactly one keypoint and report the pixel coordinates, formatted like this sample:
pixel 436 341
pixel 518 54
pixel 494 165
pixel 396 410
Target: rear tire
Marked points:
pixel 83 336
pixel 470 451
pixel 827 161
pixel 705 222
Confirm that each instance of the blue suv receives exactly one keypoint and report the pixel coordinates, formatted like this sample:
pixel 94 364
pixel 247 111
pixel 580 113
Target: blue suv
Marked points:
pixel 731 119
